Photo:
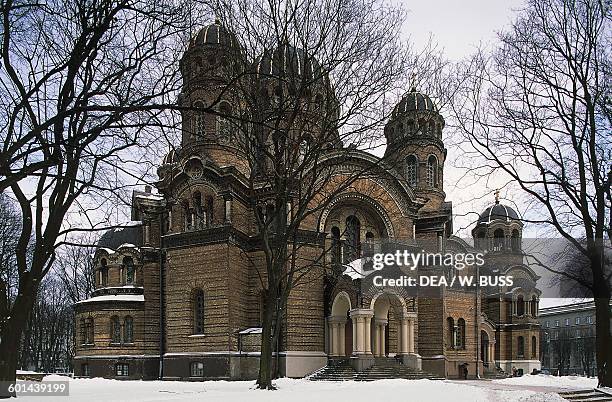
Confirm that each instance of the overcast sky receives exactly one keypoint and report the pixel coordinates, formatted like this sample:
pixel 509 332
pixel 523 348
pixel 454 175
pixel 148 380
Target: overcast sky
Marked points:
pixel 458 25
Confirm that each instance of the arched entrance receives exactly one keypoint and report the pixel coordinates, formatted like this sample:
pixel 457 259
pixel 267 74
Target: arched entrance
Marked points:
pixel 340 328
pixel 392 328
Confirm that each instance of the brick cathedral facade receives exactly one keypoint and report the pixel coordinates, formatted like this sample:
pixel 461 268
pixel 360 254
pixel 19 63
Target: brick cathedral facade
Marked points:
pixel 177 290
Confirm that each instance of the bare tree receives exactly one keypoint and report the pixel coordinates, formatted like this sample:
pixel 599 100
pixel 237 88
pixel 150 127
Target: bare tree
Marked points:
pixel 310 87
pixel 537 111
pixel 82 83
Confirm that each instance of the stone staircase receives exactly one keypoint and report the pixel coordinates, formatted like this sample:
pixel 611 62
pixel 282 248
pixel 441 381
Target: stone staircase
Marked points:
pixel 586 395
pixel 497 374
pixel 383 368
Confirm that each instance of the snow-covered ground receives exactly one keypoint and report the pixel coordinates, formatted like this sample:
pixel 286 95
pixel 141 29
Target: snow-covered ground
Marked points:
pixel 551 381
pixel 98 389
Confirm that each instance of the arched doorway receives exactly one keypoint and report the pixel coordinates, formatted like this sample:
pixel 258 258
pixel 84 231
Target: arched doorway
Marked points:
pixel 340 328
pixel 392 328
pixel 484 348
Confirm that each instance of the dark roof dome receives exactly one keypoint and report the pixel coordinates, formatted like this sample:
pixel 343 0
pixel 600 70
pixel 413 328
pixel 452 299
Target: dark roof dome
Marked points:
pixel 497 211
pixel 214 34
pixel 129 233
pixel 414 101
pixel 287 60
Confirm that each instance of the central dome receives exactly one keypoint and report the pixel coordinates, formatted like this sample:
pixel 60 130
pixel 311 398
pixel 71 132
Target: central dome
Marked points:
pixel 288 61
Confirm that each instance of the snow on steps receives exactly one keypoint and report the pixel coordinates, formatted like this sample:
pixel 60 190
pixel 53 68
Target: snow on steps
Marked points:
pixel 382 369
pixel 587 395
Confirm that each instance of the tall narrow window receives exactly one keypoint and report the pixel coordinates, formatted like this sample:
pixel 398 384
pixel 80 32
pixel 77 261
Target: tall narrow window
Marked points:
pixel 130 273
pixel 200 215
pixel 534 342
pixel 187 217
pixel 209 210
pixel 225 128
pixel 199 122
pixel 411 170
pixel 198 312
pixel 432 170
pixel 104 272
pixel 336 247
pixel 498 240
pixel 128 330
pixel 461 333
pixel 451 332
pixel 352 249
pixel 516 240
pixel 90 331
pixel 534 306
pixel 520 306
pixel 521 346
pixel 115 330
pixel 83 332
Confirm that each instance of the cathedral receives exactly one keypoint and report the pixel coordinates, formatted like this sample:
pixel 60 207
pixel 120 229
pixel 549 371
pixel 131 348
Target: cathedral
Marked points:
pixel 177 295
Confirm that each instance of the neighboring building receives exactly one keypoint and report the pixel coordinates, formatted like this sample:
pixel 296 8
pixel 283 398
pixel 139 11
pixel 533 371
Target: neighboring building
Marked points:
pixel 568 339
pixel 179 285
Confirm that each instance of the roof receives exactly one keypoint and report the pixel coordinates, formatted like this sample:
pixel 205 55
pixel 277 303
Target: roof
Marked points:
pixel 497 211
pixel 287 60
pixel 214 34
pixel 414 100
pixel 127 233
pixel 114 298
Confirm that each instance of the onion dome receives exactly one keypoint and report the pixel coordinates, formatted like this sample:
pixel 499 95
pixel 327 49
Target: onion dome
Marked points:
pixel 214 34
pixel 288 61
pixel 497 211
pixel 414 101
pixel 129 235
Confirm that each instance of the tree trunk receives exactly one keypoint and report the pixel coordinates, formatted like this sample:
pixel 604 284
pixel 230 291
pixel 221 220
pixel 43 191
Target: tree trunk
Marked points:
pixel 9 347
pixel 264 379
pixel 603 339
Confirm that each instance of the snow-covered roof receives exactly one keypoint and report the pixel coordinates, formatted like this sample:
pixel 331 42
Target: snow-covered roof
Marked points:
pixel 113 298
pixel 255 330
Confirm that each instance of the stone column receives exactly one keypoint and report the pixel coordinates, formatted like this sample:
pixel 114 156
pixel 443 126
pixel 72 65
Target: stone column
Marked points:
pixel 362 356
pixel 491 352
pixel 411 335
pixel 368 330
pixel 336 338
pixel 380 336
pixel 342 338
pixel 404 336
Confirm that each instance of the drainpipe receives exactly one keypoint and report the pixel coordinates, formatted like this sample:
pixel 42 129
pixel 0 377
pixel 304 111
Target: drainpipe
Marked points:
pixel 161 299
pixel 478 322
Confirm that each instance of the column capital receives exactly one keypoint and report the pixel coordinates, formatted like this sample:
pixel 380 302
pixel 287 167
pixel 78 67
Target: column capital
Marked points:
pixel 339 319
pixel 381 321
pixel 361 312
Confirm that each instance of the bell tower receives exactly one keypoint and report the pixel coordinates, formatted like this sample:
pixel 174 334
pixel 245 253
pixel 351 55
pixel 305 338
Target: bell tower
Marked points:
pixel 415 148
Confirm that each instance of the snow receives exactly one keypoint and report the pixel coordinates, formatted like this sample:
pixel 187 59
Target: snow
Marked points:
pixel 546 302
pixel 300 390
pixel 551 381
pixel 256 330
pixel 133 298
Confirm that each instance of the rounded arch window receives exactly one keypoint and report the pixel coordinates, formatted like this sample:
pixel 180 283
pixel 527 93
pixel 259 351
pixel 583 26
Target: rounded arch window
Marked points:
pixel 115 330
pixel 128 329
pixel 130 271
pixel 411 170
pixel 521 346
pixel 432 171
pixel 498 240
pixel 335 246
